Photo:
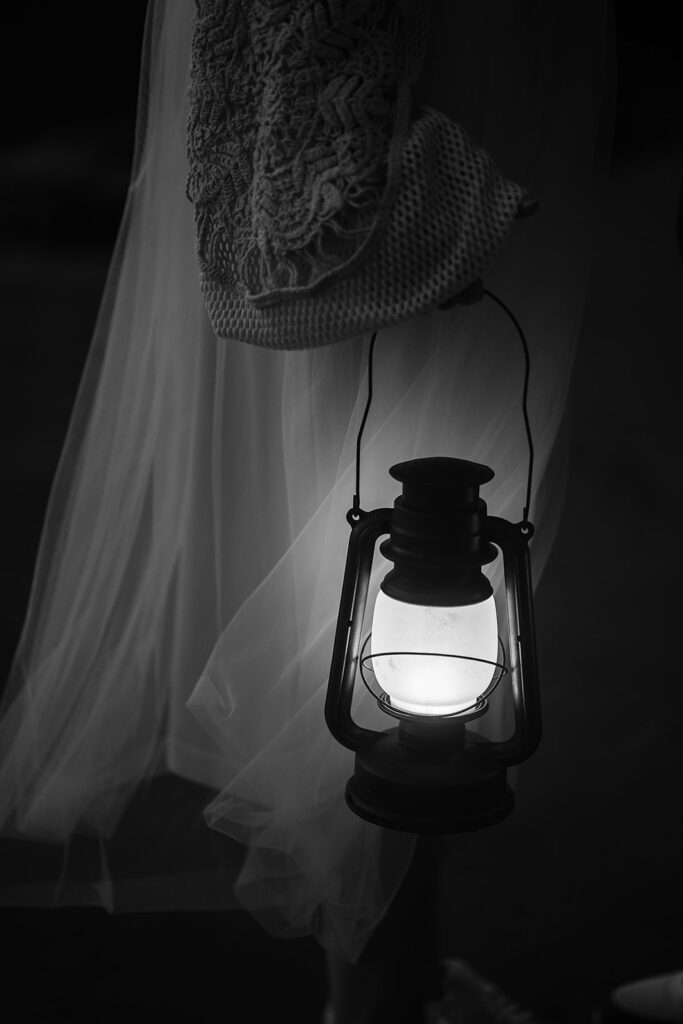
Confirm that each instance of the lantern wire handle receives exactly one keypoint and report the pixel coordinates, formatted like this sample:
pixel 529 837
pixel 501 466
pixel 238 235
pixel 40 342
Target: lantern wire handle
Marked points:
pixel 525 392
pixel 355 512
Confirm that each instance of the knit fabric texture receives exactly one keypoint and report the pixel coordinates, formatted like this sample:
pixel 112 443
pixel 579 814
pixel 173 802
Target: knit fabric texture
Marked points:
pixel 324 206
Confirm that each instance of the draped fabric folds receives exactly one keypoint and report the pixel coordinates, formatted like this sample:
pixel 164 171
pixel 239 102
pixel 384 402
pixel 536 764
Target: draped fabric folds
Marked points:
pixel 185 596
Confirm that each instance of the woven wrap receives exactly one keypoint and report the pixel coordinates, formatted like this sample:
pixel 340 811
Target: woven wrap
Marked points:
pixel 324 205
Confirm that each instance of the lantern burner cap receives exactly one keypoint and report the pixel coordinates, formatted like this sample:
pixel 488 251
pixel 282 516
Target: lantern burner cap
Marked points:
pixel 441 471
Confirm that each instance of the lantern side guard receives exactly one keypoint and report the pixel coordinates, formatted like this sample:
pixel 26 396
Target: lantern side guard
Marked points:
pixel 348 637
pixel 513 541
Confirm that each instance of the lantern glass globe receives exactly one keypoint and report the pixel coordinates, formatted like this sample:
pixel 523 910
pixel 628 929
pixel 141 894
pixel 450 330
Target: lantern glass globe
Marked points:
pixel 427 685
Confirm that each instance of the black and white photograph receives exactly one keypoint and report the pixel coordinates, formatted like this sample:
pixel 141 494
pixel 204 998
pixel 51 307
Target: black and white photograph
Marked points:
pixel 339 397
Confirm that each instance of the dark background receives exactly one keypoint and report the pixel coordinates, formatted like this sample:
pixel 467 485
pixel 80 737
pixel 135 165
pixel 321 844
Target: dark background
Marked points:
pixel 580 889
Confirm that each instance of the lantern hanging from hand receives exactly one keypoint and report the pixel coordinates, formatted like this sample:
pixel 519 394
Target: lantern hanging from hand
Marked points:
pixel 436 653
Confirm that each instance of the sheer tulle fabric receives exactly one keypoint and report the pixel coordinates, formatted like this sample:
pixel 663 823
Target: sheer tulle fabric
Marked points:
pixel 187 586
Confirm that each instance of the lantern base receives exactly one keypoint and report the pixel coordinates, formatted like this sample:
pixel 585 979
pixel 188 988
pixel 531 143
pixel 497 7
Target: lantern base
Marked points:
pixel 444 790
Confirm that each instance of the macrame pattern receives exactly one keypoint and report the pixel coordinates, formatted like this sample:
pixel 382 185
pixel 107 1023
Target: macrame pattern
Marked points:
pixel 325 204
pixel 299 113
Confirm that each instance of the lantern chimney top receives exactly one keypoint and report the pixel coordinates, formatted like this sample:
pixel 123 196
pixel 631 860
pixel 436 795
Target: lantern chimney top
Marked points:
pixel 440 483
pixel 441 471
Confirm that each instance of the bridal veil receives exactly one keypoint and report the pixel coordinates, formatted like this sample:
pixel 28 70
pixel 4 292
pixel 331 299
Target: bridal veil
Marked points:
pixel 184 602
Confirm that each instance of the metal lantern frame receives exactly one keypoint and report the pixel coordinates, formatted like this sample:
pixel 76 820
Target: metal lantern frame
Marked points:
pixel 430 774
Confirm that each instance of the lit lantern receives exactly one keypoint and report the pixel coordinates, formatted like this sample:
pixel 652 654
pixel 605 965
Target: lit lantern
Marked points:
pixel 436 654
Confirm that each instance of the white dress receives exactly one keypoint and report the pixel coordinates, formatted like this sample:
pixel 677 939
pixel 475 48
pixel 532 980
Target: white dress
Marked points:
pixel 186 591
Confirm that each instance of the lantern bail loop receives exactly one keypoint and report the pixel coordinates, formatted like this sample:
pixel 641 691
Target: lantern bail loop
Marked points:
pixel 355 515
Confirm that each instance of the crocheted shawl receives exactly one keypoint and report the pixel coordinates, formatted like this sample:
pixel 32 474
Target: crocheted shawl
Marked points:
pixel 306 161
